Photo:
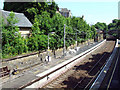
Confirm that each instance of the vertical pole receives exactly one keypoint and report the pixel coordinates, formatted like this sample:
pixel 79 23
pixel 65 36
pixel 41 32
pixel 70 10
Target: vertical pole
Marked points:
pixel 76 40
pixel 117 34
pixel 0 43
pixel 48 47
pixel 64 41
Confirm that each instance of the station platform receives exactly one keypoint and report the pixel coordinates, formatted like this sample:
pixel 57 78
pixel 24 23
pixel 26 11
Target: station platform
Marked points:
pixel 24 77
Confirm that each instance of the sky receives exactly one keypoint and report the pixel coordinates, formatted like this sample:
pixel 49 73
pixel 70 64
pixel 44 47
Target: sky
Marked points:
pixel 93 10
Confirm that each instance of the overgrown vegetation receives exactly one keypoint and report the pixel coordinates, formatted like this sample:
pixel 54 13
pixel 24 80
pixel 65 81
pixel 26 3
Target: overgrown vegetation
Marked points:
pixel 115 25
pixel 12 42
pixel 44 22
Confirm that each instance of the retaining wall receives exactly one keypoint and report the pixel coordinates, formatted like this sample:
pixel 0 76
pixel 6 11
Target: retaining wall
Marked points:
pixel 25 61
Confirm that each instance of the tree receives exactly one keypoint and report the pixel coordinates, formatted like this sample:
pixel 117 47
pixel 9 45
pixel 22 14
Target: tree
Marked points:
pixel 102 26
pixel 114 25
pixel 23 7
pixel 12 42
pixel 45 20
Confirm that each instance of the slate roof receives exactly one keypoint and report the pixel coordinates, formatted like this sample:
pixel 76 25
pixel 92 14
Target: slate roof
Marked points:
pixel 22 19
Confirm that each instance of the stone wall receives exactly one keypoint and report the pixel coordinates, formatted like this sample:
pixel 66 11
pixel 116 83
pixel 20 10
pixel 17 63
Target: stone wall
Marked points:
pixel 31 60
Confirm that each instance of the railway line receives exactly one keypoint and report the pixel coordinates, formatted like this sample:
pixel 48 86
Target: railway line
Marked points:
pixel 49 75
pixel 83 74
pixel 112 77
pixel 77 72
pixel 47 72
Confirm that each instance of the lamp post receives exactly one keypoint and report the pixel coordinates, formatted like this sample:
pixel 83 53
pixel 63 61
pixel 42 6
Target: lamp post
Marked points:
pixel 76 35
pixel 48 44
pixel 71 33
pixel 76 41
pixel 64 41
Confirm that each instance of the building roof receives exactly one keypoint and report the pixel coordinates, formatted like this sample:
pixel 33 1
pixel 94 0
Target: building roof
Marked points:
pixel 64 10
pixel 22 19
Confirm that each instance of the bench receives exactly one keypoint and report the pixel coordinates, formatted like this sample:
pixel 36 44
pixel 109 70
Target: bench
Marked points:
pixel 4 71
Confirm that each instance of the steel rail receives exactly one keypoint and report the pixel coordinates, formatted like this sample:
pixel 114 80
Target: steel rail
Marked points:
pixel 99 80
pixel 50 72
pixel 95 75
pixel 35 80
pixel 89 71
pixel 113 71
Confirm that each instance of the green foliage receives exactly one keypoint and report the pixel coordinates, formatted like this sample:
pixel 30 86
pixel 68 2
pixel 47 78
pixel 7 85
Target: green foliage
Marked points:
pixel 118 25
pixel 12 42
pixel 45 20
pixel 103 27
pixel 114 25
pixel 27 7
pixel 37 42
pixel 44 24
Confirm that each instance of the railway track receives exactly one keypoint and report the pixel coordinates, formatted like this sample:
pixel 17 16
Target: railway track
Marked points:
pixel 84 73
pixel 114 74
pixel 111 79
pixel 80 70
